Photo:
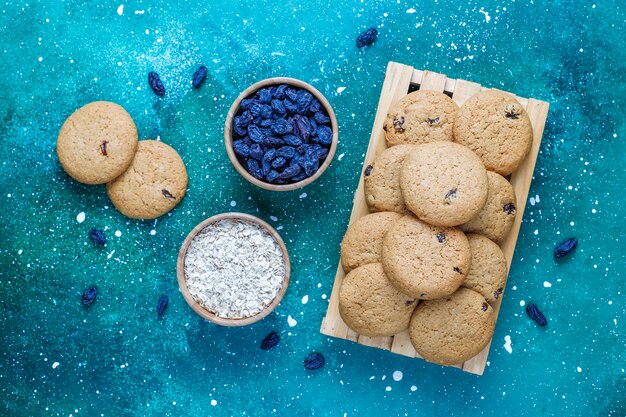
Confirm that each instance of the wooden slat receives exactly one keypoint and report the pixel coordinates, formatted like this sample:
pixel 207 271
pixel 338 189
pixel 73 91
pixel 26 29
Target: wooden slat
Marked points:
pixel 395 86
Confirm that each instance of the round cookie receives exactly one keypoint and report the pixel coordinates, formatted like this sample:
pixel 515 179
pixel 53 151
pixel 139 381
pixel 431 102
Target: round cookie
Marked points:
pixel 382 180
pixel 425 261
pixel 371 306
pixel 495 126
pixel 97 142
pixel 154 184
pixel 420 117
pixel 487 274
pixel 453 329
pixel 363 241
pixel 443 183
pixel 498 214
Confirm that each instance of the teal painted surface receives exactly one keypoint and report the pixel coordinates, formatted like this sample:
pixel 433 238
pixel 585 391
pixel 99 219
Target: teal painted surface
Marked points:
pixel 117 359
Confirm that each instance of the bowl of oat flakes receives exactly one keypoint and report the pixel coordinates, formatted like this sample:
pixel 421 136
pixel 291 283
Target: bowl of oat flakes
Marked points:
pixel 233 269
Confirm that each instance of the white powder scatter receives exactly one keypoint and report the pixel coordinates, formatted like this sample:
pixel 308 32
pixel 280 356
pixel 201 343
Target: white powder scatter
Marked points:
pixel 303 195
pixel 532 201
pixel 54 365
pixel 213 403
pixel 571 223
pixel 233 203
pixel 323 296
pixel 340 157
pixel 536 232
pixel 292 322
pixel 507 344
pixel 40 59
pixel 388 389
pixel 274 218
pixel 413 388
pixel 411 10
pixel 120 10
pixel 537 198
pixel 305 299
pixel 19 252
pixel 579 369
pixel 547 284
pixel 118 233
pixel 487 17
pixel 110 254
pixel 234 269
pixel 152 232
pixel 340 90
pixel 522 303
pixel 397 375
pixel 277 54
pixel 81 217
pixel 140 11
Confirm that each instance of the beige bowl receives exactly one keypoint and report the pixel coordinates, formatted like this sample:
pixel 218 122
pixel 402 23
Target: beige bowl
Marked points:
pixel 228 137
pixel 203 312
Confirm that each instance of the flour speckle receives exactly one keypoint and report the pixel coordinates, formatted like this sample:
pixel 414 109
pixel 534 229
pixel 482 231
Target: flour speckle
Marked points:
pixel 81 217
pixel 340 157
pixel 579 369
pixel 56 364
pixel 233 203
pixel 547 284
pixel 507 344
pixel 340 90
pixel 303 195
pixel 120 10
pixel 411 10
pixel 397 375
pixel 118 233
pixel 213 403
pixel 305 299
pixel 292 322
pixel 152 232
pixel 413 388
pixel 487 17
pixel 522 303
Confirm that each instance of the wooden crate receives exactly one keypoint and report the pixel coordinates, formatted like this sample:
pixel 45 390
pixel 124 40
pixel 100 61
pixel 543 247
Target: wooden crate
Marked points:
pixel 399 80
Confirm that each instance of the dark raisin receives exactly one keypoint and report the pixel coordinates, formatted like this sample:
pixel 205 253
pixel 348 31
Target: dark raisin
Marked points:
pixel 432 121
pixel 441 237
pixel 290 171
pixel 279 107
pixel 497 293
pixel 241 149
pixel 290 106
pixel 292 140
pixel 97 236
pixel 510 208
pixel 321 118
pixel 89 296
pixel 368 170
pixel 315 106
pixel 162 304
pixel 457 269
pixel 279 93
pixel 167 194
pixel 270 341
pixel 273 142
pixel 281 127
pixel 304 101
pixel 450 195
pixel 265 96
pixel 291 94
pixel 485 307
pixel 534 313
pixel 366 37
pixel 246 103
pixel 565 247
pixel 512 111
pixel 314 361
pixel 287 152
pixel 302 127
pixel 103 148
pixel 256 152
pixel 398 123
pixel 272 176
pixel 199 76
pixel 255 133
pixel 325 135
pixel 155 83
pixel 254 168
pixel 266 111
pixel 279 162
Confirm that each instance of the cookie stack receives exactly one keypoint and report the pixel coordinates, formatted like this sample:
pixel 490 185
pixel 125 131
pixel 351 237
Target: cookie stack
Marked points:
pixel 98 144
pixel 427 258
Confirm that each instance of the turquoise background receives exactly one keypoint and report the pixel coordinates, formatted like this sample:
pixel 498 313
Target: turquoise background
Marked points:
pixel 117 359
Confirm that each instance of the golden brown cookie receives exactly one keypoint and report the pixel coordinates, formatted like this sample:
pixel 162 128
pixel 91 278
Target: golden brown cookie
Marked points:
pixel 363 241
pixel 371 306
pixel 97 142
pixel 154 184
pixel 420 117
pixel 495 126
pixel 453 329
pixel 487 274
pixel 425 261
pixel 443 183
pixel 382 180
pixel 497 216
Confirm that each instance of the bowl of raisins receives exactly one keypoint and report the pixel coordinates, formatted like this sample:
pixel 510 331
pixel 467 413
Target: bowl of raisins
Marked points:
pixel 281 134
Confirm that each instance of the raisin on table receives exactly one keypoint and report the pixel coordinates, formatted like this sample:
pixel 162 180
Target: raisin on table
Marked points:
pixel 366 37
pixel 314 361
pixel 162 304
pixel 199 76
pixel 534 313
pixel 155 83
pixel 565 247
pixel 270 341
pixel 89 296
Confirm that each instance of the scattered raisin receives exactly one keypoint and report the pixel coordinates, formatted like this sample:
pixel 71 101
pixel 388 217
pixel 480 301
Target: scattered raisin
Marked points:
pixel 89 296
pixel 155 82
pixel 485 307
pixel 512 111
pixel 441 237
pixel 199 76
pixel 162 304
pixel 270 341
pixel 510 209
pixel 534 313
pixel 398 123
pixel 457 269
pixel 368 170
pixel 565 247
pixel 103 148
pixel 314 361
pixel 450 195
pixel 167 194
pixel 97 236
pixel 366 37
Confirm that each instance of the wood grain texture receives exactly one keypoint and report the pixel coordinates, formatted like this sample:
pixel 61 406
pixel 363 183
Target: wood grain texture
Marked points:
pixel 398 80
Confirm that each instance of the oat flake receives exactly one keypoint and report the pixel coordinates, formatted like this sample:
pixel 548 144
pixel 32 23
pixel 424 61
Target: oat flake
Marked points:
pixel 234 269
